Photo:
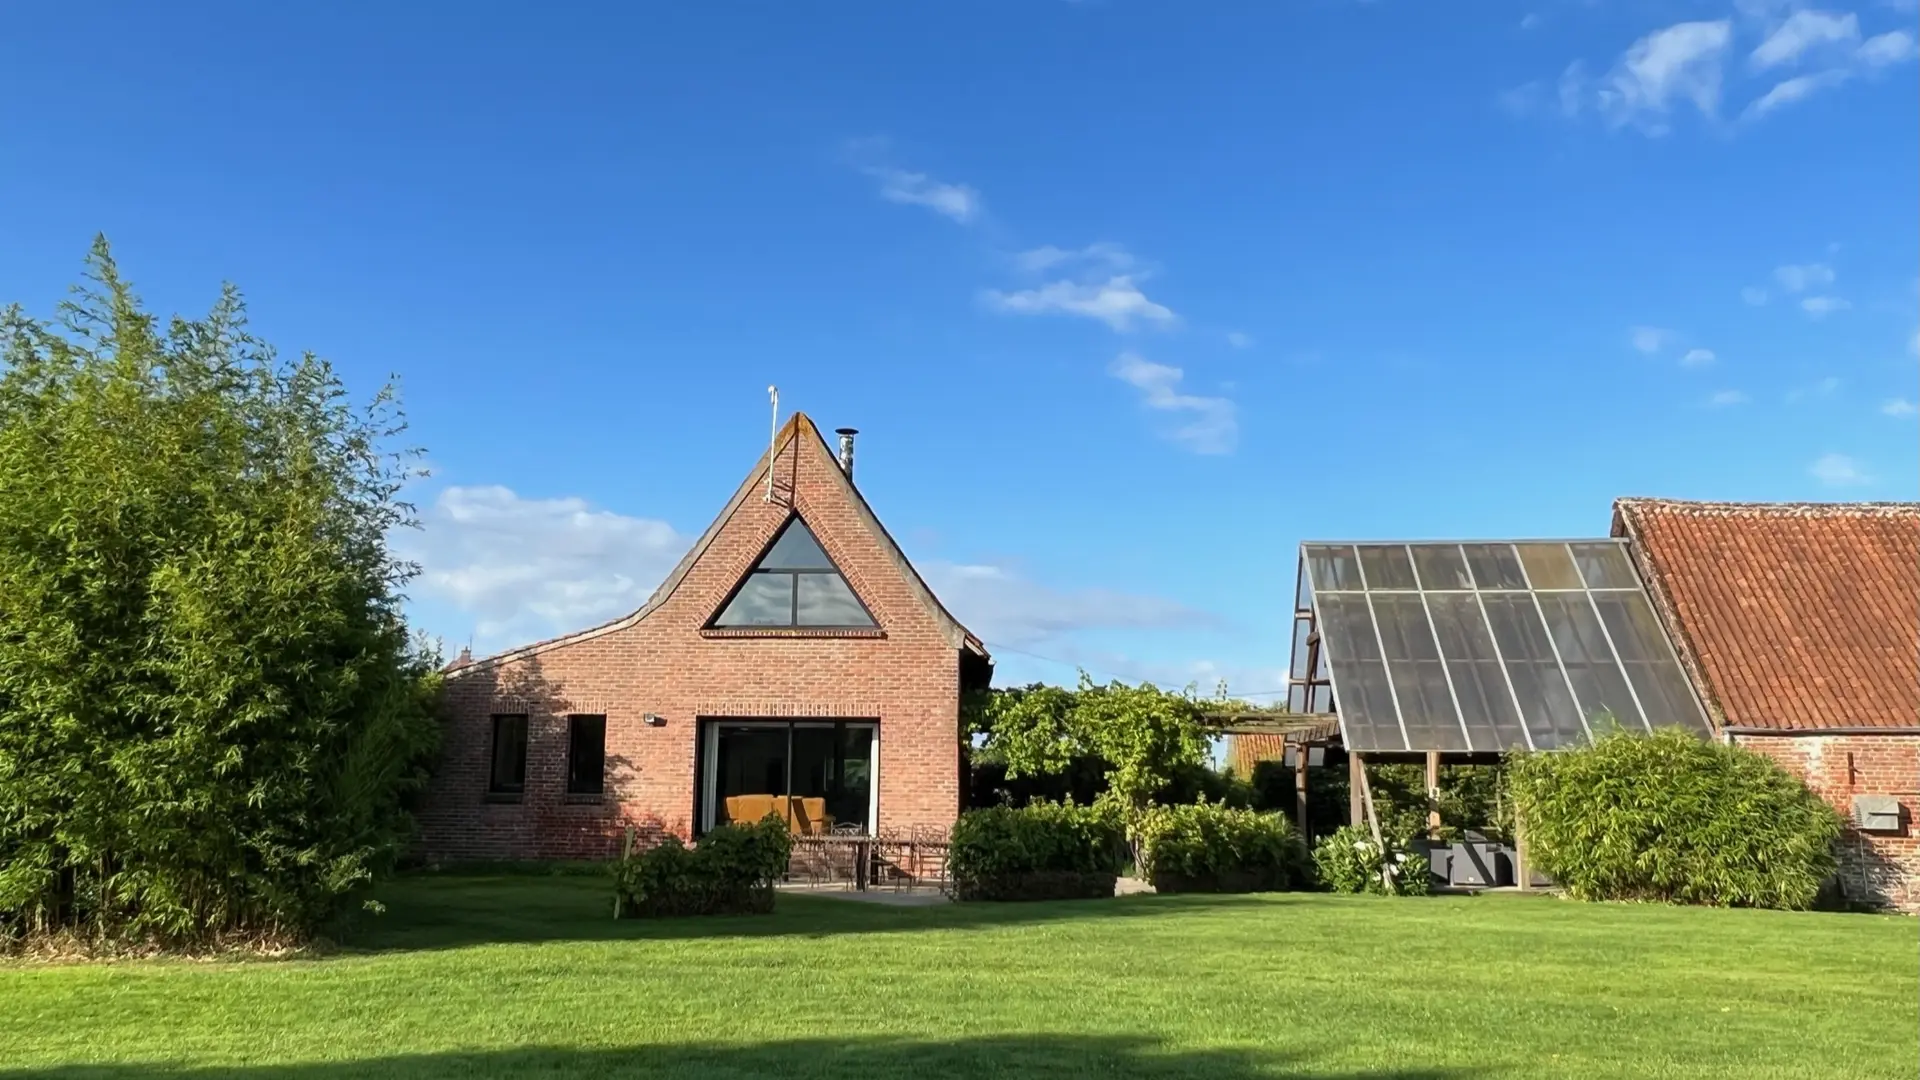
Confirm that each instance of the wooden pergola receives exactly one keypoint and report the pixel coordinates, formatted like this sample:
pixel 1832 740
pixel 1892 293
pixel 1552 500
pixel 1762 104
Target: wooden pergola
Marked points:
pixel 1303 732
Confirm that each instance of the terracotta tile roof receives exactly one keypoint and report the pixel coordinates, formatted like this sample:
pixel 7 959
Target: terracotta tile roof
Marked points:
pixel 1789 616
pixel 1246 751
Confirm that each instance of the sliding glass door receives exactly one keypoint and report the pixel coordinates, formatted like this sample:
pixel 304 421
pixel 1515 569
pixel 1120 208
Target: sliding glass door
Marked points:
pixel 819 774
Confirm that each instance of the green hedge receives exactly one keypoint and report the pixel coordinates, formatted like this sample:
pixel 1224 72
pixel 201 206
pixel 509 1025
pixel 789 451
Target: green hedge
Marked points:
pixel 1041 851
pixel 730 871
pixel 1675 818
pixel 1211 847
pixel 1349 861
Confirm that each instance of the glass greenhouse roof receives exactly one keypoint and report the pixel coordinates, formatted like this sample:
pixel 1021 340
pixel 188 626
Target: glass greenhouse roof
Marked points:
pixel 1488 647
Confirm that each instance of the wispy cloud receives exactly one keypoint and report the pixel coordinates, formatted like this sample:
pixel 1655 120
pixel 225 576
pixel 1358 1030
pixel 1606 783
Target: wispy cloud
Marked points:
pixel 1821 306
pixel 1649 339
pixel 1791 90
pixel 1047 257
pixel 1724 399
pixel 1898 408
pixel 1824 388
pixel 1679 64
pixel 1204 425
pixel 1803 31
pixel 1697 358
pixel 1005 607
pixel 956 201
pixel 524 569
pixel 1838 470
pixel 1800 278
pixel 1117 301
pixel 1881 50
pixel 1239 340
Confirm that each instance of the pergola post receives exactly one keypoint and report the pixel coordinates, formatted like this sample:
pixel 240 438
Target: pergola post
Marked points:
pixel 1300 752
pixel 1356 782
pixel 1433 794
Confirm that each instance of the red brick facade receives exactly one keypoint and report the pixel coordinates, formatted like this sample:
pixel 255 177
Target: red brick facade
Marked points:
pixel 1878 867
pixel 906 677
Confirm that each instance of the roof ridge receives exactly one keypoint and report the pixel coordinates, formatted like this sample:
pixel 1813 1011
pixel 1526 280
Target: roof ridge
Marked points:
pixel 1707 507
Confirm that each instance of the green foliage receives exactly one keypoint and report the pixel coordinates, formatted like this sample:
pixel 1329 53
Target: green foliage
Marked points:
pixel 1036 851
pixel 1211 847
pixel 1672 817
pixel 210 714
pixel 1349 861
pixel 1144 736
pixel 730 871
pixel 1471 797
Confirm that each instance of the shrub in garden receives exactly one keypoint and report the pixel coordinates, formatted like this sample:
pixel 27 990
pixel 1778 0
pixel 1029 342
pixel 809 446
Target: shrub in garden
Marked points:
pixel 211 715
pixel 1211 847
pixel 1672 817
pixel 730 871
pixel 1349 861
pixel 1041 851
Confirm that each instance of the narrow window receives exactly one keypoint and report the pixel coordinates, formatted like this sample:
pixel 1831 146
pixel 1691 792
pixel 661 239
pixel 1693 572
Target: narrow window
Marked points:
pixel 586 755
pixel 509 775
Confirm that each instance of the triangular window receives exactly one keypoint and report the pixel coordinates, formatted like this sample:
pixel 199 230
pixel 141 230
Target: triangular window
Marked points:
pixel 795 584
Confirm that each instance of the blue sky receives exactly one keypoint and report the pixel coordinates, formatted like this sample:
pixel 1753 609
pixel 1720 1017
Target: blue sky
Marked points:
pixel 1127 298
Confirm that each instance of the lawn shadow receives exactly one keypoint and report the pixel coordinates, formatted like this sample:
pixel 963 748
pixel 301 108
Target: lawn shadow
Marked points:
pixel 425 912
pixel 1106 1057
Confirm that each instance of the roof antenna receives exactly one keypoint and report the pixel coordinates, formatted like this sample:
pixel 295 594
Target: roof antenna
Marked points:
pixel 773 436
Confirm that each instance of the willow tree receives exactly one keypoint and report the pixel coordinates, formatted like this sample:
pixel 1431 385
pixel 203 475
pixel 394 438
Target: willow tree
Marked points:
pixel 210 710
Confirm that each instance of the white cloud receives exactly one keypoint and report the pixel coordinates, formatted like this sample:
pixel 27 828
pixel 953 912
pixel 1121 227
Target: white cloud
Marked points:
pixel 1821 306
pixel 1892 47
pixel 1239 340
pixel 1898 408
pixel 1680 63
pixel 1803 277
pixel 1117 301
pixel 1913 343
pixel 956 201
pixel 1649 339
pixel 1697 357
pixel 525 569
pixel 1753 295
pixel 1046 257
pixel 1795 89
pixel 1004 607
pixel 1803 31
pixel 1726 399
pixel 1838 470
pixel 1204 425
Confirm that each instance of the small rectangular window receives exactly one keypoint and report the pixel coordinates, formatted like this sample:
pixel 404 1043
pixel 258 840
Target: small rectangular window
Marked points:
pixel 586 755
pixel 509 774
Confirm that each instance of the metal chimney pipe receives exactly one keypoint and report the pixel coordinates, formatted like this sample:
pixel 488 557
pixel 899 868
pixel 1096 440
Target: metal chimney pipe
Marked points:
pixel 846 449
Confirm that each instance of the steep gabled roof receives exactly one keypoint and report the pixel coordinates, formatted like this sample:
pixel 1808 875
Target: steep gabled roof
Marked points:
pixel 800 434
pixel 1788 616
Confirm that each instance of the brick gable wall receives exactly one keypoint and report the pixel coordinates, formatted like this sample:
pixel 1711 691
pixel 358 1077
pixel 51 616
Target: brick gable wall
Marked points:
pixel 1877 867
pixel 906 678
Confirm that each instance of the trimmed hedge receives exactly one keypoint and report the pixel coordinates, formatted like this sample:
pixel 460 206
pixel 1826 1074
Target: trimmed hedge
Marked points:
pixel 1672 817
pixel 1041 851
pixel 1211 847
pixel 731 871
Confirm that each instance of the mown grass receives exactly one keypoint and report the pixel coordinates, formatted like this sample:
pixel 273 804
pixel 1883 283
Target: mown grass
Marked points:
pixel 478 976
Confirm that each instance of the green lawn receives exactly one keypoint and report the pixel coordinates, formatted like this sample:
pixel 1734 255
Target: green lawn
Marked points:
pixel 527 976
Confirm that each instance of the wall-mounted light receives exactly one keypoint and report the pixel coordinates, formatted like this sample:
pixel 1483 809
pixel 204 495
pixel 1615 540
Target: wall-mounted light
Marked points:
pixel 654 720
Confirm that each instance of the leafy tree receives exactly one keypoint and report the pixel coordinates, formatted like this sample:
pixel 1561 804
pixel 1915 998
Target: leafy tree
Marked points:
pixel 210 712
pixel 1144 737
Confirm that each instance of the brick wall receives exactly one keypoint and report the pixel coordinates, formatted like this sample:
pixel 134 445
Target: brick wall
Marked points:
pixel 905 678
pixel 1879 867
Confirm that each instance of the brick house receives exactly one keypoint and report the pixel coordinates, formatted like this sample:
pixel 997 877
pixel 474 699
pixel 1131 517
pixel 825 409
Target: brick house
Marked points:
pixel 1800 626
pixel 793 654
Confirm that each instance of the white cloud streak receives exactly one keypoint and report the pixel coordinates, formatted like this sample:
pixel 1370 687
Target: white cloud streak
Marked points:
pixel 1681 63
pixel 1803 31
pixel 1697 358
pixel 1898 408
pixel 1838 470
pixel 1649 339
pixel 955 201
pixel 525 569
pixel 1204 425
pixel 1726 399
pixel 1004 607
pixel 1822 306
pixel 1800 278
pixel 1047 257
pixel 1117 301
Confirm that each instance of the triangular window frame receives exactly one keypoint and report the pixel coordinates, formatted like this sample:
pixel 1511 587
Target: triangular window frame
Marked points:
pixel 761 577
